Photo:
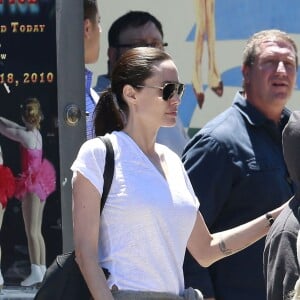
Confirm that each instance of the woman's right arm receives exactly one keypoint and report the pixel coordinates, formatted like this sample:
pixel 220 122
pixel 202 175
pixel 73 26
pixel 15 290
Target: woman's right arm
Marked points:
pixel 86 221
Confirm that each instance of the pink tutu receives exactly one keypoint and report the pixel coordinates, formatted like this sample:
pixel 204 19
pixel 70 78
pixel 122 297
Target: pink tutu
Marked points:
pixel 7 185
pixel 42 181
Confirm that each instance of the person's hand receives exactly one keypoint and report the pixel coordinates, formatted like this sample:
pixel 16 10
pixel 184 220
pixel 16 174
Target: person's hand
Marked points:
pixel 209 298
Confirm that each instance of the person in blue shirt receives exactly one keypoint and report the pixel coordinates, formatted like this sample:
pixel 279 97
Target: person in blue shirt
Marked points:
pixel 236 165
pixel 91 32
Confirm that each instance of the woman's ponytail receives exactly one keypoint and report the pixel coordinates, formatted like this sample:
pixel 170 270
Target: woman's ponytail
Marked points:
pixel 107 115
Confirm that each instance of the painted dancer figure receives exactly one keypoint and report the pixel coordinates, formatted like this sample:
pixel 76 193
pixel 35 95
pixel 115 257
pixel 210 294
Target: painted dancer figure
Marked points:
pixel 205 28
pixel 35 183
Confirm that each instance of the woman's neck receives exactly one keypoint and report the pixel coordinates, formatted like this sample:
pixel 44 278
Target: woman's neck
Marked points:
pixel 29 127
pixel 144 138
pixel 147 145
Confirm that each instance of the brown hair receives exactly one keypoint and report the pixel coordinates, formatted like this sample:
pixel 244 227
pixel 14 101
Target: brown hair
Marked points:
pixel 133 68
pixel 253 43
pixel 90 10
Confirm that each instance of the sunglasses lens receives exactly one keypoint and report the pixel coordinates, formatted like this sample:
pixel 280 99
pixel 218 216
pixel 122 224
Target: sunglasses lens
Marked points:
pixel 170 89
pixel 180 89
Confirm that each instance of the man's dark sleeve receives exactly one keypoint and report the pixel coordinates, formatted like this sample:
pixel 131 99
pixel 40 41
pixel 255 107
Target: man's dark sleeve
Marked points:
pixel 208 166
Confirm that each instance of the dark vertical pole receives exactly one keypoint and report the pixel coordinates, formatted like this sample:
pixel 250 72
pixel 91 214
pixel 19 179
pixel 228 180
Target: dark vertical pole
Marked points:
pixel 70 85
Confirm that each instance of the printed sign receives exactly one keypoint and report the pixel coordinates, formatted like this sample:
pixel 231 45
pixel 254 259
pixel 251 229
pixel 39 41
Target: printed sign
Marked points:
pixel 31 227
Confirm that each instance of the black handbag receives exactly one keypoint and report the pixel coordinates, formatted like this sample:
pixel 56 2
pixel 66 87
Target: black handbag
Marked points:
pixel 63 279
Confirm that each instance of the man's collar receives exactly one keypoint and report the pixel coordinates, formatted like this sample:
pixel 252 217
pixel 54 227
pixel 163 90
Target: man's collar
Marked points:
pixel 252 114
pixel 88 79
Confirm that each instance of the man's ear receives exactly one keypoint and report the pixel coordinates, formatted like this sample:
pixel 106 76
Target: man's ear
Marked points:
pixel 246 73
pixel 129 93
pixel 86 27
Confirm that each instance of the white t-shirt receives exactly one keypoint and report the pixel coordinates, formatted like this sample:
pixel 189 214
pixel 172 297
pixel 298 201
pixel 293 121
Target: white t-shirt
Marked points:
pixel 146 221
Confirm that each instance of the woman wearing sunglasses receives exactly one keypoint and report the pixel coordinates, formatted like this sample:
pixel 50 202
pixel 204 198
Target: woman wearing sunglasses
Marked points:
pixel 151 213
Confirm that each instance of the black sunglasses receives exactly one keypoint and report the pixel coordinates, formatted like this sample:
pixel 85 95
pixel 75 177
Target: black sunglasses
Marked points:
pixel 168 89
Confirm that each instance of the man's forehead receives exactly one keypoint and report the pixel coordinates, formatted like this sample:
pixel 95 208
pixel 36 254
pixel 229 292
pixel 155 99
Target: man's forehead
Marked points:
pixel 143 32
pixel 275 46
pixel 270 42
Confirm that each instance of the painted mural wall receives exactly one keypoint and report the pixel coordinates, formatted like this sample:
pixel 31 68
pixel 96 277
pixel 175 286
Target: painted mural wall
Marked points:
pixel 231 23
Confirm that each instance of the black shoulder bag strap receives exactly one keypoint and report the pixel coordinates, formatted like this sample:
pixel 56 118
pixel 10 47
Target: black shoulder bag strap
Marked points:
pixel 109 169
pixel 108 175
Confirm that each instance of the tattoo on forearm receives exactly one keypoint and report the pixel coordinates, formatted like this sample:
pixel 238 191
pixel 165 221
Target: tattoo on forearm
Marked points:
pixel 224 249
